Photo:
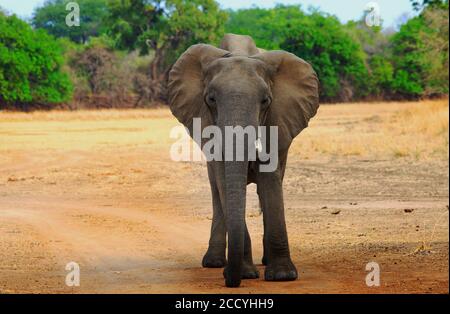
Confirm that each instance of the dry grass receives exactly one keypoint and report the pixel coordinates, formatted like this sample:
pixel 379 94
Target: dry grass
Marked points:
pixel 84 115
pixel 417 130
pixel 80 130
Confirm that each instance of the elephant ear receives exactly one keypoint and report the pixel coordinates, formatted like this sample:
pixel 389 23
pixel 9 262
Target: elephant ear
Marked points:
pixel 295 91
pixel 186 85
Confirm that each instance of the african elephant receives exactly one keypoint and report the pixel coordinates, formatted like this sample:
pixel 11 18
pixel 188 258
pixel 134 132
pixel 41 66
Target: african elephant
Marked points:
pixel 239 84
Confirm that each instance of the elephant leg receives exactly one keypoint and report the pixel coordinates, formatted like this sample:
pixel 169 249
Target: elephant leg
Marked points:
pixel 215 255
pixel 265 243
pixel 279 264
pixel 249 270
pixel 282 168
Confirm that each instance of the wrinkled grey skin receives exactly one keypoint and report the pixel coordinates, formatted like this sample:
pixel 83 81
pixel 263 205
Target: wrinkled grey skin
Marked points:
pixel 237 90
pixel 269 184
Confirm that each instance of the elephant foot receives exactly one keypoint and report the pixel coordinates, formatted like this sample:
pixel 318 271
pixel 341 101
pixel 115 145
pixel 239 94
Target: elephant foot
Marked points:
pixel 281 270
pixel 211 260
pixel 249 271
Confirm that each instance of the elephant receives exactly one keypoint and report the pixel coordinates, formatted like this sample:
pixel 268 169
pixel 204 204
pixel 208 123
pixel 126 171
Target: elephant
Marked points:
pixel 240 84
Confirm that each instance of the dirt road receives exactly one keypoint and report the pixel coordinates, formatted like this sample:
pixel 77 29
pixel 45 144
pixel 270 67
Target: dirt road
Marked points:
pixel 100 190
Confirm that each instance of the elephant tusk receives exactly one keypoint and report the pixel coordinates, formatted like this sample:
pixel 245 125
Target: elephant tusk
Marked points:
pixel 258 145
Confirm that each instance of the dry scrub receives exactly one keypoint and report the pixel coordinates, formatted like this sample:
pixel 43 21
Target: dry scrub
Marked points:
pixel 369 130
pixel 378 131
pixel 366 182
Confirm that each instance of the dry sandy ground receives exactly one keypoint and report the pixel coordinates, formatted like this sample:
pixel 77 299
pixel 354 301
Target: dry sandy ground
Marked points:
pixel 99 189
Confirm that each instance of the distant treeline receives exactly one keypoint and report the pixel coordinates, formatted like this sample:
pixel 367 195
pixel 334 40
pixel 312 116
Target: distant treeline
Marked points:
pixel 121 53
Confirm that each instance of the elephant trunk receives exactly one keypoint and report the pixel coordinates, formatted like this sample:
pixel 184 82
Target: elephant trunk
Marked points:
pixel 236 144
pixel 235 195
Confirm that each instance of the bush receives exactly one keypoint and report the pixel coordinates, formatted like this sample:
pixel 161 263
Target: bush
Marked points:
pixel 100 75
pixel 165 28
pixel 106 78
pixel 337 59
pixel 354 61
pixel 30 67
pixel 435 39
pixel 266 26
pixel 314 36
pixel 408 60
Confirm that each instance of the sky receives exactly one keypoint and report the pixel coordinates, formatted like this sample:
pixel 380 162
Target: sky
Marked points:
pixel 345 10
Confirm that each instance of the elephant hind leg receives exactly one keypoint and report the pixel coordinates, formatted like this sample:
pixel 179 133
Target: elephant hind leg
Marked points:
pixel 265 240
pixel 215 255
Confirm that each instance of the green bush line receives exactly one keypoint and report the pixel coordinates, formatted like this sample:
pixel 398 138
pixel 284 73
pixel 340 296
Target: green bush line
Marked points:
pixel 123 50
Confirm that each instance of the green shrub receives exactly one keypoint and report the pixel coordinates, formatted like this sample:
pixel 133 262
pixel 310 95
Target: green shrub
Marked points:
pixel 30 66
pixel 337 59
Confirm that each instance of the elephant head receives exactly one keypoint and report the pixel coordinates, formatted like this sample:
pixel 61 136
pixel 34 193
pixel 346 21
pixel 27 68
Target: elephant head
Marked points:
pixel 226 88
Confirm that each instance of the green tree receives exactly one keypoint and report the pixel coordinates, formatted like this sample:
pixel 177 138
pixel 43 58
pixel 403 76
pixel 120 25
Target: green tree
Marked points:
pixel 377 57
pixel 165 28
pixel 314 36
pixel 337 58
pixel 268 27
pixel 52 17
pixel 420 52
pixel 409 60
pixel 420 4
pixel 436 49
pixel 30 66
pixel 381 77
pixel 130 22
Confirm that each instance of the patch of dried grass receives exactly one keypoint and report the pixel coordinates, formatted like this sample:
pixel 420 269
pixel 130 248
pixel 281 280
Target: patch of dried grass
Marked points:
pixel 417 130
pixel 85 115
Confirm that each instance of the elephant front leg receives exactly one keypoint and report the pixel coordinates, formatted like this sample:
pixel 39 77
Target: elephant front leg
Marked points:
pixel 249 270
pixel 276 247
pixel 215 255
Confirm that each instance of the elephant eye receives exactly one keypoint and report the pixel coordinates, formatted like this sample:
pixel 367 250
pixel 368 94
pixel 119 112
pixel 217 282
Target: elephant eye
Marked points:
pixel 210 100
pixel 266 101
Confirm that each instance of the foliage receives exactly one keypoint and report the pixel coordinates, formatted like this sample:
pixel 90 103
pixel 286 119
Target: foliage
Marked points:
pixel 30 66
pixel 267 27
pixel 420 4
pixel 338 60
pixel 420 54
pixel 376 54
pixel 52 17
pixel 101 74
pixel 408 59
pixel 166 27
pixel 123 49
pixel 355 61
pixel 435 38
pixel 316 37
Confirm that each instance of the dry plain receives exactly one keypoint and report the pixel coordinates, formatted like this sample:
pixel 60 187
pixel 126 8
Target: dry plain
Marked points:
pixel 365 183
